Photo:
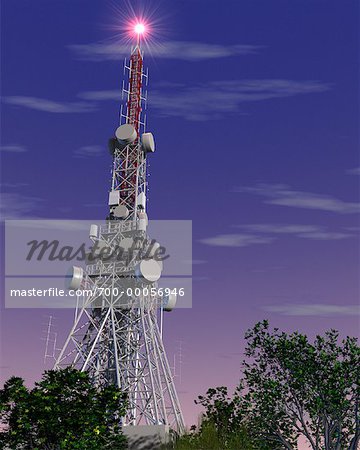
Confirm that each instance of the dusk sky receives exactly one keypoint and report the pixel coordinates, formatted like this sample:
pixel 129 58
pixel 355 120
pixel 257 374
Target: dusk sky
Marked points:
pixel 254 108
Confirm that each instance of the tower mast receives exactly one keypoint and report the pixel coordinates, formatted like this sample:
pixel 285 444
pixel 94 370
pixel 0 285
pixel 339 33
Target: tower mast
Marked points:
pixel 116 337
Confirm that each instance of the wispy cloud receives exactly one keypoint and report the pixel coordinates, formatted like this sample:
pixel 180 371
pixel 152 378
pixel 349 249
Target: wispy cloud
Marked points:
pixel 325 235
pixel 280 228
pixel 198 102
pixel 17 206
pixel 214 99
pixel 267 269
pixel 203 101
pixel 89 151
pixel 94 205
pixel 236 240
pixel 314 232
pixel 4 186
pixel 355 171
pixel 13 148
pixel 267 233
pixel 283 195
pixel 114 94
pixel 182 50
pixel 314 309
pixel 45 105
pixel 193 262
pixel 51 224
pixel 202 278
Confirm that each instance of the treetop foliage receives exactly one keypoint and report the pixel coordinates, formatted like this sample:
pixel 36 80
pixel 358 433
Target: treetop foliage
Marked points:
pixel 63 411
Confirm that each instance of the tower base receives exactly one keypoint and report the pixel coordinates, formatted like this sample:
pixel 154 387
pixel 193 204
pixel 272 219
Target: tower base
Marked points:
pixel 146 437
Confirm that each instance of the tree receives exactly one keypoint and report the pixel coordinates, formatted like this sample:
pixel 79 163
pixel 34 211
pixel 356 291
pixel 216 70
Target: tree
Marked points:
pixel 63 411
pixel 292 387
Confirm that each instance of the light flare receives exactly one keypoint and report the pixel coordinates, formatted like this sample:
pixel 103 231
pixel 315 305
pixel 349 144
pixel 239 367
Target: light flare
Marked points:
pixel 139 28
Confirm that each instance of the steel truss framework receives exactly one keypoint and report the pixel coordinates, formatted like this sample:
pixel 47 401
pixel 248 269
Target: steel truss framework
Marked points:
pixel 129 176
pixel 115 336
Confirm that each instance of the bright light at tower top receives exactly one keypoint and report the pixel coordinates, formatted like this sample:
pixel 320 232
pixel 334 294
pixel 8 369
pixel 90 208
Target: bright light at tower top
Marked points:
pixel 139 28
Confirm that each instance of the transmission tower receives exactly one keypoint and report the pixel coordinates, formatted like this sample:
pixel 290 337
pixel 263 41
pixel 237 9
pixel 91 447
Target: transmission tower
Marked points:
pixel 115 336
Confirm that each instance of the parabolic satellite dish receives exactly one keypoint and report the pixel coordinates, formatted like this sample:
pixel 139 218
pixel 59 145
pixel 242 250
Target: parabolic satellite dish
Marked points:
pixel 169 302
pixel 121 212
pixel 126 134
pixel 150 270
pixel 74 278
pixel 148 143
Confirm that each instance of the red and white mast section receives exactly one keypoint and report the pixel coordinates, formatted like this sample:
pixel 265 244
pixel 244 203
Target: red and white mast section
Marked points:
pixel 127 199
pixel 135 86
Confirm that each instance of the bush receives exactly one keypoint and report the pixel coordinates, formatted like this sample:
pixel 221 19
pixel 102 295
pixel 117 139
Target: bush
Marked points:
pixel 207 437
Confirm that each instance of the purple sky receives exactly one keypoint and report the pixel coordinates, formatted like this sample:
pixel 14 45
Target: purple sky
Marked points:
pixel 254 107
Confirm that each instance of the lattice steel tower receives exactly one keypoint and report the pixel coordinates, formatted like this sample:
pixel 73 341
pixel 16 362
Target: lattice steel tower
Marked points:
pixel 115 336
